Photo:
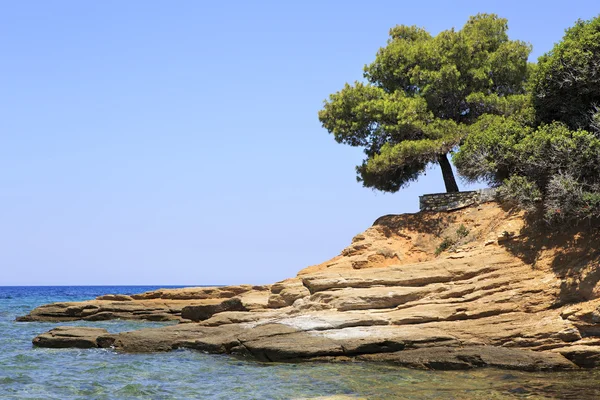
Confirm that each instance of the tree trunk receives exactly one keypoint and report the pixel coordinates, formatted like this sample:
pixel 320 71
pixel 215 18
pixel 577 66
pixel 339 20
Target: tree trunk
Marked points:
pixel 448 174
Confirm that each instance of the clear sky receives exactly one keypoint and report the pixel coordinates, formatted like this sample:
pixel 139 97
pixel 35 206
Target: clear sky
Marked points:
pixel 162 142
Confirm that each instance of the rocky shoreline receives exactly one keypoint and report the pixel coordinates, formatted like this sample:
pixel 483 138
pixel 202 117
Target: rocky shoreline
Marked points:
pixel 500 294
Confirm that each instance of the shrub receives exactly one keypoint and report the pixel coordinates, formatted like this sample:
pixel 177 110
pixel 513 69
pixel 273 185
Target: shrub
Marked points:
pixel 462 231
pixel 552 168
pixel 445 245
pixel 569 202
pixel 521 192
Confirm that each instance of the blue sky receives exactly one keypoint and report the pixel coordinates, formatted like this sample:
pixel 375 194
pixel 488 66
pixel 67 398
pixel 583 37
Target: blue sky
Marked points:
pixel 155 142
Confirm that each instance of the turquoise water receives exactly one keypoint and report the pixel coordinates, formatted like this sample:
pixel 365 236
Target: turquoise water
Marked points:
pixel 32 373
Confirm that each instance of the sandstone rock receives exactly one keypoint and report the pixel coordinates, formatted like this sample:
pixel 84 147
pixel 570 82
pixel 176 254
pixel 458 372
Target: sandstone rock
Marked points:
pixel 199 293
pixel 150 306
pixel 456 256
pixel 254 299
pixel 115 297
pixel 530 304
pixel 237 317
pixel 582 355
pixel 478 356
pixel 370 298
pixel 321 320
pixel 285 293
pixel 505 236
pixel 276 342
pixel 61 337
pixel 205 311
pixel 569 335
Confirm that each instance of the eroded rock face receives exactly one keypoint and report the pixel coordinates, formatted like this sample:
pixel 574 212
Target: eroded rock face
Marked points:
pixel 529 302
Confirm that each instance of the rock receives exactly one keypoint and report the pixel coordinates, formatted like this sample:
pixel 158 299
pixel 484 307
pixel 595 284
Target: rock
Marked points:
pixel 254 299
pixel 370 298
pixel 322 320
pixel 236 317
pixel 296 345
pixel 285 293
pixel 205 311
pixel 530 305
pixel 456 256
pixel 200 293
pixel 160 305
pixel 582 355
pixel 115 297
pixel 569 335
pixel 478 356
pixel 77 337
pixel 100 316
pixel 505 236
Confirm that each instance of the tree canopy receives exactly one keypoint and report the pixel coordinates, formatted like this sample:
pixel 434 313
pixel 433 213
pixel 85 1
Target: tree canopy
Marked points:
pixel 566 86
pixel 551 162
pixel 422 93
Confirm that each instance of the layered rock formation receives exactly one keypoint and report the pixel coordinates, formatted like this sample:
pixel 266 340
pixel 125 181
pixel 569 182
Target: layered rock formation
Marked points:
pixel 160 305
pixel 461 289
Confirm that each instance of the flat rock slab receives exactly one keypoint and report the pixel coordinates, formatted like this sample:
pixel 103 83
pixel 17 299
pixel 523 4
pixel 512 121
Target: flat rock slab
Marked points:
pixel 70 337
pixel 445 358
pixel 277 342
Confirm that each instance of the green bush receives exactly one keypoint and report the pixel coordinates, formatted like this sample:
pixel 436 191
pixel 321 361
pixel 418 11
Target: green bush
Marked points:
pixel 445 245
pixel 551 168
pixel 462 231
pixel 569 202
pixel 521 192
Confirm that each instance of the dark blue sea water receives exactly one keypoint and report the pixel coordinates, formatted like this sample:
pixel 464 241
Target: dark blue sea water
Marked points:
pixel 32 373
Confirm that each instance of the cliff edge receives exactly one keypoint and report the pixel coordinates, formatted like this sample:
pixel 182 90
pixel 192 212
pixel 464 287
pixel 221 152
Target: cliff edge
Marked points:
pixel 443 290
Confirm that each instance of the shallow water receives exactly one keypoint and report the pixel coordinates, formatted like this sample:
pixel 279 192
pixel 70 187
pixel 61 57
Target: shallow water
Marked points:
pixel 32 373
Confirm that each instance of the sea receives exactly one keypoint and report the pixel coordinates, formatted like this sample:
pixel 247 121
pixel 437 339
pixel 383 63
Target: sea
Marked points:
pixel 27 372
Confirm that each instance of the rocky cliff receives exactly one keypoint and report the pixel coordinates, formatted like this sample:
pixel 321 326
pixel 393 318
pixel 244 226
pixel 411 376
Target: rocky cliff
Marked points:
pixel 461 289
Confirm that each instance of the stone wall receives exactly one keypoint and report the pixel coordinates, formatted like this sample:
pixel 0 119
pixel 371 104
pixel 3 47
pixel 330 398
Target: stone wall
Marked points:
pixel 454 201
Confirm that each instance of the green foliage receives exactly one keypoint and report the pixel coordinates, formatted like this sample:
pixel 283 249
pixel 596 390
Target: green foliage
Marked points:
pixel 445 245
pixel 595 120
pixel 521 192
pixel 566 85
pixel 462 232
pixel 571 201
pixel 489 152
pixel 422 94
pixel 500 147
pixel 546 160
pixel 551 167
